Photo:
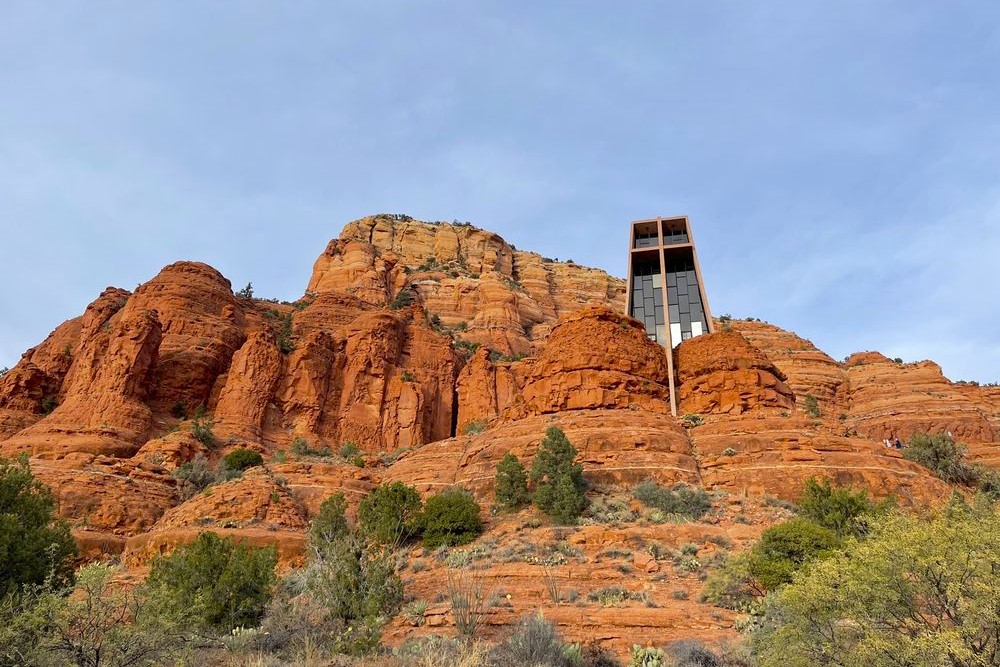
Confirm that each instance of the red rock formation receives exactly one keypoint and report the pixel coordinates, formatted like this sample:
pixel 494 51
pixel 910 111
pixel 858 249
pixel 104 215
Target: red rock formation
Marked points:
pixel 250 385
pixel 485 389
pixel 342 364
pixel 103 409
pixel 775 456
pixel 597 358
pixel 616 447
pixel 887 398
pixel 807 369
pixel 722 373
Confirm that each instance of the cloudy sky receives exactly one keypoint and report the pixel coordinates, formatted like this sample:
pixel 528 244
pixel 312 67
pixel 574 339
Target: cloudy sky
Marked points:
pixel 840 161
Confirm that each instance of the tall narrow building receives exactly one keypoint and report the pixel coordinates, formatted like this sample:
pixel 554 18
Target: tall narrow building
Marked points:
pixel 665 289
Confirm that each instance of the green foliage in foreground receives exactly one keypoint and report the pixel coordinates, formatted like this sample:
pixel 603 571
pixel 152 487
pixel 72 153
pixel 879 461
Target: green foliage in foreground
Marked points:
pixel 917 591
pixel 215 583
pixel 35 545
pixel 772 562
pixel 840 509
pixel 100 624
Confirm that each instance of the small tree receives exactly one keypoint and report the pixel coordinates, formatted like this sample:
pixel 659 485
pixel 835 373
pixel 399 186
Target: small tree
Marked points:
pixel 35 545
pixel 450 518
pixel 511 484
pixel 690 502
pixel 390 514
pixel 246 292
pixel 942 456
pixel 357 583
pixel 558 478
pixel 781 551
pixel 917 591
pixel 331 522
pixel 841 510
pixel 201 429
pixel 242 459
pixel 215 583
pixel 811 406
pixel 101 624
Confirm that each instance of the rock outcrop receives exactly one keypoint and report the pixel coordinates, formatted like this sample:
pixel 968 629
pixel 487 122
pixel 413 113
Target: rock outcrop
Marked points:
pixel 722 373
pixel 425 352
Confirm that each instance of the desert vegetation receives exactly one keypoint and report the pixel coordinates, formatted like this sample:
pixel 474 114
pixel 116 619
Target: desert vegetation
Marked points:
pixel 844 581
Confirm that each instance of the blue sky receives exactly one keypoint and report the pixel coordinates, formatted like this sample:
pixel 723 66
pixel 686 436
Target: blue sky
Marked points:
pixel 839 160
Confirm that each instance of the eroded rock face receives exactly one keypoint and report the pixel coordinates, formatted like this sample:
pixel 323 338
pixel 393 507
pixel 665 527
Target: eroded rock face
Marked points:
pixel 616 447
pixel 596 358
pixel 775 456
pixel 103 411
pixel 503 299
pixel 352 361
pixel 807 369
pixel 891 399
pixel 722 373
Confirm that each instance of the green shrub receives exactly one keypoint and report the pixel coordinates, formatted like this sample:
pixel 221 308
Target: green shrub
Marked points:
pixel 683 500
pixel 811 406
pixel 841 510
pixel 646 656
pixel 349 450
pixel 195 475
pixel 402 300
pixel 466 347
pixel 785 548
pixel 97 622
pixel 474 427
pixel 49 404
pixel 391 513
pixel 407 376
pixel 35 544
pixel 301 447
pixel 284 336
pixel 989 484
pixel 693 420
pixel 241 459
pixel 331 521
pixel 781 552
pixel 215 583
pixel 920 590
pixel 450 518
pixel 558 478
pixel 358 585
pixel 942 456
pixel 511 484
pixel 202 431
pixel 535 641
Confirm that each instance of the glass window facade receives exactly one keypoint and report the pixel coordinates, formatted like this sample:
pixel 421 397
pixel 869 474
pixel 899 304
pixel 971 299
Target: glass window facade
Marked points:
pixel 684 297
pixel 647 299
pixel 646 240
pixel 674 236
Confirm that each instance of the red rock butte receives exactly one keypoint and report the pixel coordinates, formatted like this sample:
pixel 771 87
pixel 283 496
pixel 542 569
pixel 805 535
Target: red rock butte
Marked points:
pixel 435 349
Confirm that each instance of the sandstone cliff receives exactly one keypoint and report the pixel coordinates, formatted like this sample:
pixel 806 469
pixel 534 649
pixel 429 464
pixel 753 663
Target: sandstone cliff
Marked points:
pixel 424 352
